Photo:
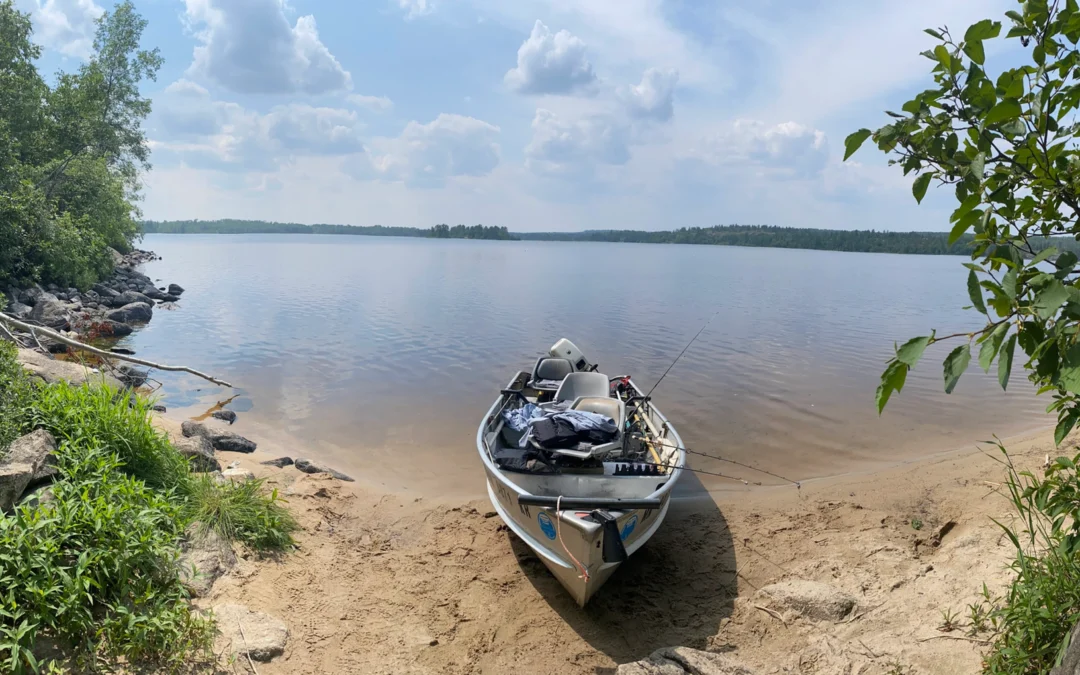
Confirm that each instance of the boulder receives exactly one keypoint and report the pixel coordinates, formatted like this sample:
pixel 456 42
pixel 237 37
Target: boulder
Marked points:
pixel 51 313
pixel 129 297
pixel 35 294
pixel 136 311
pixel 153 293
pixel 225 441
pixel 176 289
pixel 1070 663
pixel 280 462
pixel 51 370
pixel 171 298
pixel 117 257
pixel 115 328
pixel 27 459
pixel 230 442
pixel 205 557
pixel 104 292
pixel 309 466
pixel 237 475
pixel 811 599
pixel 132 377
pixel 262 636
pixel 20 311
pixel 684 661
pixel 224 415
pixel 199 453
pixel 158 408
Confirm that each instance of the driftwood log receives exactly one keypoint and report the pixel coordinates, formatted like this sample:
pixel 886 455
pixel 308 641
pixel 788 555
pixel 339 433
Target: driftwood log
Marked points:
pixel 35 330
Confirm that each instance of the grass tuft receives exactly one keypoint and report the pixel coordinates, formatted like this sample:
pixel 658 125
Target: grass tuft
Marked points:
pixel 241 511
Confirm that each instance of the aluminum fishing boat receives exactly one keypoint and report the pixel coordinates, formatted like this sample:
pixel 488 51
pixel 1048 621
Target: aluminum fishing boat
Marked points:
pixel 580 466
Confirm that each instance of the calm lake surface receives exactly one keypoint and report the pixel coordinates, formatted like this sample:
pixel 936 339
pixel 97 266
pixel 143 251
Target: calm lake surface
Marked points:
pixel 382 354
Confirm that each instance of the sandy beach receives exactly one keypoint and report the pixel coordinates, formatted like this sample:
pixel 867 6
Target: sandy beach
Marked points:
pixel 385 583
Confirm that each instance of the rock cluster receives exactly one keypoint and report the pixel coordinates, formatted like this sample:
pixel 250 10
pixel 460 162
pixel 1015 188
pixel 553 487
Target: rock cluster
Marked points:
pixel 109 308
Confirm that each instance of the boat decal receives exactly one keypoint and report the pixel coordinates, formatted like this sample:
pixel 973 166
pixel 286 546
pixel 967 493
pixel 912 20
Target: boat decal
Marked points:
pixel 546 525
pixel 628 528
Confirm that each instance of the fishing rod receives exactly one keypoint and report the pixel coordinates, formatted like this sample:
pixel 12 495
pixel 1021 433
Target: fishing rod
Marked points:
pixel 681 355
pixel 796 483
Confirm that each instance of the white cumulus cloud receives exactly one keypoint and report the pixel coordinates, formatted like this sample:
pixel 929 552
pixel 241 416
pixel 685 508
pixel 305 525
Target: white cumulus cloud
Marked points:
pixel 248 46
pixel 654 98
pixel 551 63
pixel 571 147
pixel 785 150
pixel 67 26
pixel 426 155
pixel 415 8
pixel 372 103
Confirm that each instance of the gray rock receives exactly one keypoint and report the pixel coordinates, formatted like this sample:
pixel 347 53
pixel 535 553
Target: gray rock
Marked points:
pixel 20 311
pixel 104 292
pixel 1070 664
pixel 117 258
pixel 136 311
pixel 133 377
pixel 191 429
pixel 35 294
pixel 224 415
pixel 262 636
pixel 158 408
pixel 28 459
pixel 51 313
pixel 230 442
pixel 684 661
pixel 153 293
pixel 51 370
pixel 237 475
pixel 35 497
pixel 205 557
pixel 171 298
pixel 811 599
pixel 176 289
pixel 199 453
pixel 129 297
pixel 309 466
pixel 115 328
pixel 280 462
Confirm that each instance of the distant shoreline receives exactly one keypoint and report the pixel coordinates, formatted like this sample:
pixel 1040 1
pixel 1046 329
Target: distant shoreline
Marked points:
pixel 755 236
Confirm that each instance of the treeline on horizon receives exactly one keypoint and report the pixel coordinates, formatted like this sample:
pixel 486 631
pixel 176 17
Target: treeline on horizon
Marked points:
pixel 767 236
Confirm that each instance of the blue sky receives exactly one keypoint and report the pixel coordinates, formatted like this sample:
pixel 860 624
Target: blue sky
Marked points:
pixel 533 114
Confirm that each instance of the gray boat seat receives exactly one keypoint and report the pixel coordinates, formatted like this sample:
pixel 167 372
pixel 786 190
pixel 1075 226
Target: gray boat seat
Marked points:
pixel 548 373
pixel 576 385
pixel 602 405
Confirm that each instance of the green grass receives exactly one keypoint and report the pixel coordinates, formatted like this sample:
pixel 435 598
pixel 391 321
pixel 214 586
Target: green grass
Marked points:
pixel 1030 624
pixel 95 569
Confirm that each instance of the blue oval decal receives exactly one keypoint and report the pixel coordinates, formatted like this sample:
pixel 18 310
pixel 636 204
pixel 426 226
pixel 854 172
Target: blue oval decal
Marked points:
pixel 628 528
pixel 546 525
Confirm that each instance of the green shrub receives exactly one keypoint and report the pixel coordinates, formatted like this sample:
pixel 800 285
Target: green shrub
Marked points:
pixel 15 395
pixel 116 420
pixel 95 569
pixel 240 511
pixel 1032 622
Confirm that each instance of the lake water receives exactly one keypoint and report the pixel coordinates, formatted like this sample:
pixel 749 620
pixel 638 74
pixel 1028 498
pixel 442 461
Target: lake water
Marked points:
pixel 382 354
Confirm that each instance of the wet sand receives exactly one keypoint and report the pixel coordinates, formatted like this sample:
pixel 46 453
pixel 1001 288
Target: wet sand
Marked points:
pixel 393 583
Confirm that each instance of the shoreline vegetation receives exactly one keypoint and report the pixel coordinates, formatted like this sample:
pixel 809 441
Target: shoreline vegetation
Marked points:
pixel 757 236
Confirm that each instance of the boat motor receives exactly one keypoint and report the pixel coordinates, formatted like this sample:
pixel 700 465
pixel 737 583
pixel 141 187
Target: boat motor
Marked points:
pixel 564 349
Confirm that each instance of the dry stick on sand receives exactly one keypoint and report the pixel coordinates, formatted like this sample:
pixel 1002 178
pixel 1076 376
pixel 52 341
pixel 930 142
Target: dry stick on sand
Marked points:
pixel 246 651
pixel 33 330
pixel 772 613
pixel 954 637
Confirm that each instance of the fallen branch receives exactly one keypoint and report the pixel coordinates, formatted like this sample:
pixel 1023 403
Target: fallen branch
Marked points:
pixel 33 330
pixel 772 613
pixel 247 651
pixel 954 637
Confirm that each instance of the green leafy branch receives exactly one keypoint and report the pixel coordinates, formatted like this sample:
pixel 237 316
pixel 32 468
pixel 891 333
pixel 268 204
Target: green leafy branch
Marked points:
pixel 1006 146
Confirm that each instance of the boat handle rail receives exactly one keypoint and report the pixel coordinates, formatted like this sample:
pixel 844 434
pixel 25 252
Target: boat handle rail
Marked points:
pixel 588 502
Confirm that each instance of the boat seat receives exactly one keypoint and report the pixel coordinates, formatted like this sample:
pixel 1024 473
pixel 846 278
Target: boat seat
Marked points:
pixel 577 385
pixel 602 405
pixel 548 373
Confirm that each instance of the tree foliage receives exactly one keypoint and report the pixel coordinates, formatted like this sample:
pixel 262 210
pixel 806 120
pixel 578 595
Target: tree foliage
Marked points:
pixel 70 153
pixel 1004 143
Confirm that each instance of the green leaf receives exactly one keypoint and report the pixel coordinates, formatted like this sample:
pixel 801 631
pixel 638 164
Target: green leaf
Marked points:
pixel 1043 255
pixel 1066 261
pixel 1065 424
pixel 991 345
pixel 1005 362
pixel 941 53
pixel 891 380
pixel 919 187
pixel 983 30
pixel 974 50
pixel 1049 299
pixel 963 224
pixel 933 33
pixel 1008 283
pixel 978 163
pixel 911 351
pixel 955 364
pixel 975 292
pixel 1069 375
pixel 1005 110
pixel 854 141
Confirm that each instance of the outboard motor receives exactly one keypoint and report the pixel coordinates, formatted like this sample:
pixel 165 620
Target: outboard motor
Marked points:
pixel 564 349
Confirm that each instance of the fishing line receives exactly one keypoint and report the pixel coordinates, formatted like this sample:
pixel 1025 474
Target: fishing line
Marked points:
pixel 796 483
pixel 681 354
pixel 709 473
